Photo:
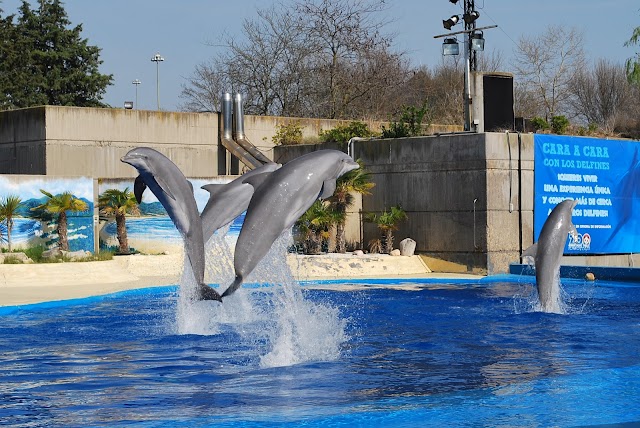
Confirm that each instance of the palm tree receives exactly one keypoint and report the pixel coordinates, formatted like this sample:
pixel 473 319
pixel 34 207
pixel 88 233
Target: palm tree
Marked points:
pixel 119 203
pixel 314 225
pixel 358 181
pixel 60 204
pixel 387 222
pixel 8 209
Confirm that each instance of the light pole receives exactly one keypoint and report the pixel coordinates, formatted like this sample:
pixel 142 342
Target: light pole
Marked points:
pixel 136 83
pixel 473 42
pixel 157 58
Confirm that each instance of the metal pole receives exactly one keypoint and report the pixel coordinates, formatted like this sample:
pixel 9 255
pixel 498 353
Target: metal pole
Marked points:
pixel 157 58
pixel 136 83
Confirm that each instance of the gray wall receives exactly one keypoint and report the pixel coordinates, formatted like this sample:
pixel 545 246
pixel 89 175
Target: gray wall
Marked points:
pixel 436 181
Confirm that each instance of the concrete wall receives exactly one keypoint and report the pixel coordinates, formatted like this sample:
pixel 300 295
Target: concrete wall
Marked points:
pixel 439 181
pixel 22 141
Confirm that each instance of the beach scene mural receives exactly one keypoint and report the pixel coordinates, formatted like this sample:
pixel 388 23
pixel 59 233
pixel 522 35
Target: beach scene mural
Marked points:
pixel 152 231
pixel 33 226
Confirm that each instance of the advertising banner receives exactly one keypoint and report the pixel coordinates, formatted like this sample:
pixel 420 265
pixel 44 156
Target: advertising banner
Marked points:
pixel 604 176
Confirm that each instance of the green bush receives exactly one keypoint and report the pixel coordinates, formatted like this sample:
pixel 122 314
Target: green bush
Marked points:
pixel 410 122
pixel 559 124
pixel 12 260
pixel 343 133
pixel 539 124
pixel 287 134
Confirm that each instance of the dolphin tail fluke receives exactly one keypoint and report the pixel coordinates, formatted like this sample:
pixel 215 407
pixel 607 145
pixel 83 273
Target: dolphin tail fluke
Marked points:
pixel 233 287
pixel 208 293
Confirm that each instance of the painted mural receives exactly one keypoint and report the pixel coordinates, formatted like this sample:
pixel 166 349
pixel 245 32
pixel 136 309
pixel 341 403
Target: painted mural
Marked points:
pixel 34 227
pixel 152 231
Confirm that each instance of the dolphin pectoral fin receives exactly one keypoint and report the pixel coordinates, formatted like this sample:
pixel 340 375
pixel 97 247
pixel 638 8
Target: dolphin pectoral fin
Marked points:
pixel 139 186
pixel 233 287
pixel 328 187
pixel 256 180
pixel 573 232
pixel 208 293
pixel 165 188
pixel 530 252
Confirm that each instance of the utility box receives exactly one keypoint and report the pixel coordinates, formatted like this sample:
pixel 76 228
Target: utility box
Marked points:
pixel 492 107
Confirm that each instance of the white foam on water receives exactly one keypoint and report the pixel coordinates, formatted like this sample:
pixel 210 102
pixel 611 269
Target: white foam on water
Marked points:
pixel 285 327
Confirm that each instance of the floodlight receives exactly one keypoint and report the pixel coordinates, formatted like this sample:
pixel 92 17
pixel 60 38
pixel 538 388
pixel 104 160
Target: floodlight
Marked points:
pixel 469 17
pixel 477 41
pixel 450 46
pixel 450 22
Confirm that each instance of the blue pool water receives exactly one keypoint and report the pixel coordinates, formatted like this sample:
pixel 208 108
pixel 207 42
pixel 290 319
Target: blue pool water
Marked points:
pixel 459 354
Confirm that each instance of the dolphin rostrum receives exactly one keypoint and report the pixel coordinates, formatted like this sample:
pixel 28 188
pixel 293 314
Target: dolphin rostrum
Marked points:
pixel 175 193
pixel 280 200
pixel 228 201
pixel 548 251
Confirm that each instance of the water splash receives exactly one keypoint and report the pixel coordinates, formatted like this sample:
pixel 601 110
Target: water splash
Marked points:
pixel 269 310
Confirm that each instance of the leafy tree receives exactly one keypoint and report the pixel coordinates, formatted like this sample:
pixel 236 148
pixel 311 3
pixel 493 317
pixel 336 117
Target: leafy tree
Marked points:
pixel 633 64
pixel 409 124
pixel 44 62
pixel 358 181
pixel 119 203
pixel 387 222
pixel 314 225
pixel 59 205
pixel 8 209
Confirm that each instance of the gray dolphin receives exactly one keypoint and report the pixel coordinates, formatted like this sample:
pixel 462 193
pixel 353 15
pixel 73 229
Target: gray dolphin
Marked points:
pixel 280 200
pixel 548 251
pixel 175 193
pixel 228 201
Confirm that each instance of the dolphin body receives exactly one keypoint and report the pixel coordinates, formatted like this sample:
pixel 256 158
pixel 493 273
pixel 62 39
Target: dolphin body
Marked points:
pixel 281 199
pixel 548 251
pixel 228 201
pixel 175 193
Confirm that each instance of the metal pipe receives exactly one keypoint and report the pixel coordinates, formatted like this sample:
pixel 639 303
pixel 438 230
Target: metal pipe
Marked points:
pixel 239 136
pixel 226 135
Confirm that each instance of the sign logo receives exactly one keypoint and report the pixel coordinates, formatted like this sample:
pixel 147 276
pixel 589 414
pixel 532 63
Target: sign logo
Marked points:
pixel 582 243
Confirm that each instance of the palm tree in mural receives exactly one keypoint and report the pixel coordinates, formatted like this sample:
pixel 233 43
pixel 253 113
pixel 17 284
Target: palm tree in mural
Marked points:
pixel 59 205
pixel 8 209
pixel 355 181
pixel 119 203
pixel 387 222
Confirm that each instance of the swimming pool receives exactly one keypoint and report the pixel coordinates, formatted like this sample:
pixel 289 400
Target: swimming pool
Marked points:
pixel 413 353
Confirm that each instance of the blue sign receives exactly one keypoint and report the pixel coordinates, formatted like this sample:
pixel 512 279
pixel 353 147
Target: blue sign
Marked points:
pixel 604 176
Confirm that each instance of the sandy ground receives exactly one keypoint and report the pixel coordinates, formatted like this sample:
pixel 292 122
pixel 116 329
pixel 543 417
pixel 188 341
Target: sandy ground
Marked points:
pixel 35 283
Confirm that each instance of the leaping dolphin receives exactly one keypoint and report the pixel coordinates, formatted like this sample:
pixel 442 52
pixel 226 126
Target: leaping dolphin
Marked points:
pixel 548 251
pixel 228 201
pixel 281 199
pixel 175 193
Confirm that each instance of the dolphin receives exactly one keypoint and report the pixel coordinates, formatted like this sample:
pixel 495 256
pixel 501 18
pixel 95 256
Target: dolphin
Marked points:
pixel 280 200
pixel 175 193
pixel 228 201
pixel 548 251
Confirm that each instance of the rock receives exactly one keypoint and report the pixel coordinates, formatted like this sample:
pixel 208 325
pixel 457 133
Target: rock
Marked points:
pixel 407 247
pixel 395 252
pixel 52 253
pixel 358 253
pixel 76 255
pixel 590 276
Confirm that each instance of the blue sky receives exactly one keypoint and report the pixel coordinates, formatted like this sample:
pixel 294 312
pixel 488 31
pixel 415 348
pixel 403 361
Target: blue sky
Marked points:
pixel 130 32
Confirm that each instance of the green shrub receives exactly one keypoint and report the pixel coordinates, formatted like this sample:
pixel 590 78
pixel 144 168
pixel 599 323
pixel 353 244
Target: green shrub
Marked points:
pixel 35 253
pixel 287 134
pixel 559 124
pixel 12 260
pixel 343 133
pixel 410 122
pixel 539 124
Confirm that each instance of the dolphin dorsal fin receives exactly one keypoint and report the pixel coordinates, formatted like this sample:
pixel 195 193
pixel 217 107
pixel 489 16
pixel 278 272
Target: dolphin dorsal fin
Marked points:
pixel 139 186
pixel 190 185
pixel 213 189
pixel 165 187
pixel 256 180
pixel 328 187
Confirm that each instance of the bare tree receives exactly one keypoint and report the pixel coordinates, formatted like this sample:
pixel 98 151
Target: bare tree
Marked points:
pixel 600 94
pixel 205 86
pixel 545 65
